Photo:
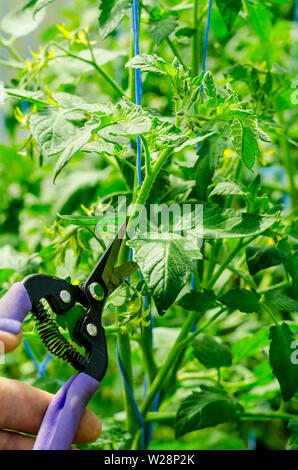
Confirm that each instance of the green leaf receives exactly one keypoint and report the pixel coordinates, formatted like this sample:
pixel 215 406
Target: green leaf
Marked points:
pixel 38 5
pixel 261 257
pixel 75 102
pixel 111 433
pixel 241 299
pixel 205 409
pixel 81 220
pixel 290 260
pixel 229 11
pixel 260 18
pixel 281 301
pixel 11 63
pixel 99 147
pixel 250 345
pixel 152 63
pixel 197 301
pixel 76 144
pixel 193 142
pixel 70 318
pixel 159 29
pixel 211 353
pixel 166 265
pixel 211 152
pixel 209 86
pixel 102 56
pixel 227 188
pixel 53 129
pixel 111 14
pixel 245 142
pixel 14 261
pixel 133 125
pixel 292 443
pixel 34 97
pixel 21 21
pixel 281 352
pixel 228 223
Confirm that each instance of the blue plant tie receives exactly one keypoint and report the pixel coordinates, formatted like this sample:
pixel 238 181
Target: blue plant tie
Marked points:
pixel 40 367
pixel 138 97
pixel 205 49
pixel 294 37
pixel 31 355
pixel 44 364
pixel 206 37
pixel 138 81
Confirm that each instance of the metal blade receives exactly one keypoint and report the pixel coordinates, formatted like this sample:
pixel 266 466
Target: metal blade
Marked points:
pixel 120 273
pixel 103 271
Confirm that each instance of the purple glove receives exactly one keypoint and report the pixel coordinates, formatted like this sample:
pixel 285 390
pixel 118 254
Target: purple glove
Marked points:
pixel 14 306
pixel 64 413
pixel 66 409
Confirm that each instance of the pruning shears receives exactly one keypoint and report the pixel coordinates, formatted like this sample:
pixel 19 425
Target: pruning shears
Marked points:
pixel 65 410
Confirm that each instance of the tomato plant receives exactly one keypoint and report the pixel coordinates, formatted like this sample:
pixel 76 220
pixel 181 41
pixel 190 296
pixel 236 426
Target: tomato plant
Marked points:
pixel 211 323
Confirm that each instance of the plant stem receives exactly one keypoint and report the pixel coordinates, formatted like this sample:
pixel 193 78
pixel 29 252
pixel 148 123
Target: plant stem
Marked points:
pixel 127 163
pixel 94 64
pixel 145 191
pixel 162 416
pixel 270 314
pixel 11 49
pixel 147 155
pixel 221 269
pixel 164 370
pixel 211 263
pixel 202 328
pixel 195 40
pixel 125 357
pixel 175 52
pixel 147 354
pixel 267 415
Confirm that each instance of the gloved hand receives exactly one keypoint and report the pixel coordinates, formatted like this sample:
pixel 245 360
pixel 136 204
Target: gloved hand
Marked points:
pixel 22 409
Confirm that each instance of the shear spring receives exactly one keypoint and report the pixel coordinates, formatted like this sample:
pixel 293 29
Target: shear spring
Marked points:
pixel 54 341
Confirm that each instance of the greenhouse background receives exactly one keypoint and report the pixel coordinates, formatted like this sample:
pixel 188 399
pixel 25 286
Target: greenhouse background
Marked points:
pixel 215 341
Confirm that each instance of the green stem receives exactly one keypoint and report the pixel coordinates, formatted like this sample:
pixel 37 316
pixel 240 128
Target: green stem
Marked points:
pixel 218 377
pixel 145 191
pixel 147 155
pixel 162 416
pixel 195 40
pixel 147 354
pixel 267 415
pixel 280 285
pixel 127 163
pixel 125 357
pixel 227 261
pixel 211 263
pixel 104 74
pixel 270 314
pixel 11 49
pixel 191 337
pixel 175 52
pixel 164 370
